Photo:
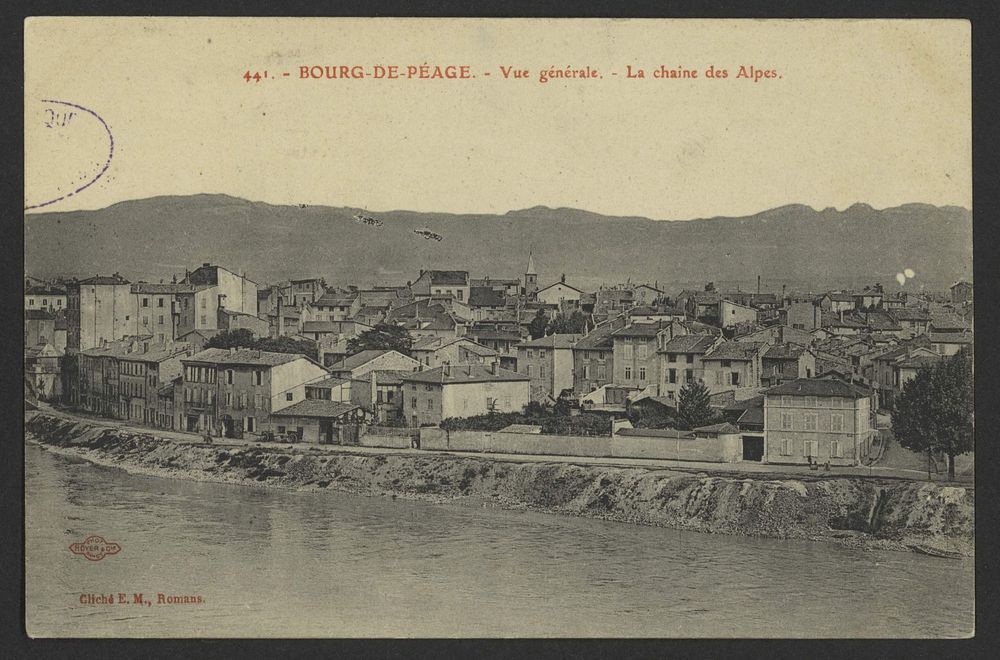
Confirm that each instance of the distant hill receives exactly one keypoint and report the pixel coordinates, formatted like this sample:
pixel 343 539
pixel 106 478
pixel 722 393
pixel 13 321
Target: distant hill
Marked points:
pixel 794 245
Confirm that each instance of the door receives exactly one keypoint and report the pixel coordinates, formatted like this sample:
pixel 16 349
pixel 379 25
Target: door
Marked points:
pixel 753 448
pixel 228 426
pixel 326 431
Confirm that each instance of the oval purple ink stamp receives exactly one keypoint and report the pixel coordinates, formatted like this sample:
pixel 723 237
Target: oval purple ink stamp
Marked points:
pixel 68 148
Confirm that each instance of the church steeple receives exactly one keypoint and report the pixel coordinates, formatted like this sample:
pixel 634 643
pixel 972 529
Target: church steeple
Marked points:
pixel 530 277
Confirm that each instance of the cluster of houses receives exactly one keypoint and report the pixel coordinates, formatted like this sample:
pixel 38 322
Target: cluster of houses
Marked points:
pixel 798 377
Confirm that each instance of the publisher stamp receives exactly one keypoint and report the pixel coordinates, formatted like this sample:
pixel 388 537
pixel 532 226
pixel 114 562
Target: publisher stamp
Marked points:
pixel 95 548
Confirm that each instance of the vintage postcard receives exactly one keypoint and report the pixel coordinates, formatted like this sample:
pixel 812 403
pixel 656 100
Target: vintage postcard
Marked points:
pixel 498 328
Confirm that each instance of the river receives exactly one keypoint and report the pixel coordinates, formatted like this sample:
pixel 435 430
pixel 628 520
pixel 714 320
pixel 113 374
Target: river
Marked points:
pixel 291 564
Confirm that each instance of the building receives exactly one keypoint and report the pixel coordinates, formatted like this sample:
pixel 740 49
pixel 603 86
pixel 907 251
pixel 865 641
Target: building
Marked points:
pixel 949 343
pixel 228 320
pixel 98 375
pixel 141 374
pixel 359 364
pixel 232 392
pixel 636 362
pixel 41 326
pixel 318 420
pixel 817 420
pixel 547 362
pixel 98 309
pixel 462 391
pixel 593 357
pixel 681 362
pixel 502 338
pixel 784 362
pixel 961 291
pixel 435 351
pixel 442 282
pixel 733 364
pixel 43 371
pixel 559 293
pixel 530 278
pixel 335 306
pixel 733 313
pixel 237 292
pixel 45 296
pixel 307 291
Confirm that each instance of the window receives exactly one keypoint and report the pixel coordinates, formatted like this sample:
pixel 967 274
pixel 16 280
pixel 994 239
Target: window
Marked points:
pixel 229 376
pixel 145 302
pixel 161 319
pixel 627 351
pixel 145 320
pixel 688 375
pixel 836 450
pixel 289 396
pixel 809 448
pixel 641 352
pixel 586 371
pixel 642 373
pixel 734 378
pixel 229 398
pixel 810 423
pixel 628 373
pixel 300 432
pixel 672 376
pixel 413 403
pixel 159 302
pixel 786 400
pixel 430 404
pixel 837 422
pixel 529 371
pixel 204 320
pixel 531 354
pixel 281 429
pixel 689 358
pixel 786 421
pixel 541 352
pixel 491 403
pixel 258 377
pixel 251 424
pixel 810 402
pixel 727 363
pixel 672 357
pixel 586 355
pixel 786 447
pixel 541 371
pixel 203 305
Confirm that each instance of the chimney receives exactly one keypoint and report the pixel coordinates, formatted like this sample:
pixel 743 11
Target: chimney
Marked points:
pixel 281 318
pixel 374 393
pixel 468 370
pixel 758 285
pixel 495 366
pixel 783 293
pixel 206 265
pixel 232 350
pixel 447 369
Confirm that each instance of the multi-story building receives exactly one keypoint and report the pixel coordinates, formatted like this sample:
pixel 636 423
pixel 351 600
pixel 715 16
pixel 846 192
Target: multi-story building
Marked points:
pixel 45 296
pixel 784 362
pixel 462 391
pixel 359 364
pixel 636 362
pixel 681 362
pixel 442 282
pixel 98 309
pixel 435 351
pixel 238 292
pixel 817 420
pixel 547 362
pixel 158 307
pixel 141 374
pixel 733 364
pixel 593 357
pixel 232 392
pixel 560 293
pixel 307 291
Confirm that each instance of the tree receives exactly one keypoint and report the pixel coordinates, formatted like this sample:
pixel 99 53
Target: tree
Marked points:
pixel 239 338
pixel 934 412
pixel 243 338
pixel 693 409
pixel 536 328
pixel 575 323
pixel 383 337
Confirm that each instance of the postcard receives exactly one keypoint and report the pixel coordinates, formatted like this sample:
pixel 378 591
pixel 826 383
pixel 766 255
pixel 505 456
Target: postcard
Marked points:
pixel 355 327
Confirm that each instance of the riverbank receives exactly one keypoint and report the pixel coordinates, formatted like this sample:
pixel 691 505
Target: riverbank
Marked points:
pixel 863 513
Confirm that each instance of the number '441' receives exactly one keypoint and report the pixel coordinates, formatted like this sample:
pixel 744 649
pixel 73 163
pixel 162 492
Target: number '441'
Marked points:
pixel 256 76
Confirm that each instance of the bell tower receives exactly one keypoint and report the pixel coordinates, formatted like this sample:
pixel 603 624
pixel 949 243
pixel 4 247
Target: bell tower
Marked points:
pixel 530 278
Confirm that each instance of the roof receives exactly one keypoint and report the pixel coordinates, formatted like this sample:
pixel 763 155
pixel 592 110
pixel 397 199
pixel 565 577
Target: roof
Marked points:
pixel 521 428
pixel 448 277
pixel 640 329
pixel 559 283
pixel 463 373
pixel 754 415
pixel 390 376
pixel 950 337
pixel 493 334
pixel 485 296
pixel 44 290
pixel 910 314
pixel 841 296
pixel 437 343
pixel 734 350
pixel 600 337
pixel 115 279
pixel 38 315
pixel 918 361
pixel 358 359
pixel 244 356
pixel 335 299
pixel 688 344
pixel 170 288
pixel 207 333
pixel 784 352
pixel 724 427
pixel 818 387
pixel 552 341
pixel 157 354
pixel 654 433
pixel 316 408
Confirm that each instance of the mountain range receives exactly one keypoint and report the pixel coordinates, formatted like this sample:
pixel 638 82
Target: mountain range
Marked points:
pixel 794 245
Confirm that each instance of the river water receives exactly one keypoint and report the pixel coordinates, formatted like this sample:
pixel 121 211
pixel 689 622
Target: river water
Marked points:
pixel 277 563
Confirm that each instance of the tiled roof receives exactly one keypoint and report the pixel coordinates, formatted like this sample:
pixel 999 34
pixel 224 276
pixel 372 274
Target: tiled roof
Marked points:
pixel 734 350
pixel 484 296
pixel 319 326
pixel 838 296
pixel 688 344
pixel 910 314
pixel 243 356
pixel 784 352
pixel 950 337
pixel 552 341
pixel 330 382
pixel 168 289
pixel 316 408
pixel 38 315
pixel 105 279
pixel 918 361
pixel 600 337
pixel 818 387
pixel 463 373
pixel 448 277
pixel 640 329
pixel 336 299
pixel 44 290
pixel 358 359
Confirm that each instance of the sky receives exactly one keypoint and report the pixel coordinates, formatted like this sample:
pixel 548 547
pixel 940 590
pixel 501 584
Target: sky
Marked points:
pixel 858 111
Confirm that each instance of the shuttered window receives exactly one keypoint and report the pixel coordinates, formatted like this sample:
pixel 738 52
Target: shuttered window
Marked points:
pixel 836 451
